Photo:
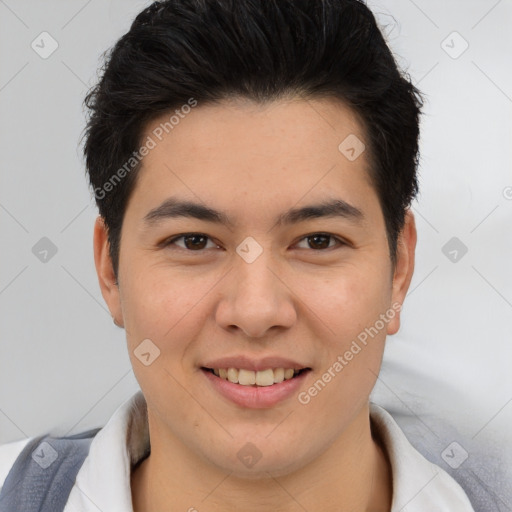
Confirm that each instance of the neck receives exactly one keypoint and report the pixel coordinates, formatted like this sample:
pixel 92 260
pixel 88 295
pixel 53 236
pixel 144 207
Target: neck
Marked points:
pixel 353 474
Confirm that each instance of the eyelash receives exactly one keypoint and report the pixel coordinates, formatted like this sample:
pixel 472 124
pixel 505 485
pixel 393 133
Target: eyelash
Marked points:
pixel 171 241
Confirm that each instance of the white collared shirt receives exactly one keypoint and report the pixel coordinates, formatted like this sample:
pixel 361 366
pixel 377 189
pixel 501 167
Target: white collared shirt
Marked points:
pixel 103 482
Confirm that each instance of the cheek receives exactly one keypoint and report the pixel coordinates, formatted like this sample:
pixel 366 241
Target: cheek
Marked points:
pixel 348 312
pixel 362 329
pixel 346 302
pixel 151 309
pixel 158 303
pixel 161 310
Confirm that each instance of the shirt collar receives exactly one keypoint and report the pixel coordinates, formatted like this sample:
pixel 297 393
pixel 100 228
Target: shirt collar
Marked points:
pixel 418 484
pixel 103 482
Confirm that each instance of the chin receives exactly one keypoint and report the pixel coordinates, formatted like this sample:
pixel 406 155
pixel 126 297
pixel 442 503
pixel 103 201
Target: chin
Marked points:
pixel 259 459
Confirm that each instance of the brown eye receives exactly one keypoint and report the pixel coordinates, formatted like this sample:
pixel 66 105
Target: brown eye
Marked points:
pixel 193 242
pixel 321 241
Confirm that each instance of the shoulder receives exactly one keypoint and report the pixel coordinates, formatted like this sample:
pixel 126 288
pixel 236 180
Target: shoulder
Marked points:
pixel 41 470
pixel 418 484
pixel 9 452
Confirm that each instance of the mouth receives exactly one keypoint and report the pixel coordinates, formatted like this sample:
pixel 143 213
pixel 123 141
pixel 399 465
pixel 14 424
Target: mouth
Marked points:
pixel 261 378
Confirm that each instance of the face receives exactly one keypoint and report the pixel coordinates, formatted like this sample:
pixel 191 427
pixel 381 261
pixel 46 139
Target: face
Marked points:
pixel 257 276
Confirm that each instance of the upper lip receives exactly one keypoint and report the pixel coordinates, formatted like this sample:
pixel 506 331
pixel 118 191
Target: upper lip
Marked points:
pixel 248 363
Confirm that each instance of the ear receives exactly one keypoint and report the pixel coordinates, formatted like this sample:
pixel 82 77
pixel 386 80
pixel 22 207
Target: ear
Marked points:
pixel 105 271
pixel 406 246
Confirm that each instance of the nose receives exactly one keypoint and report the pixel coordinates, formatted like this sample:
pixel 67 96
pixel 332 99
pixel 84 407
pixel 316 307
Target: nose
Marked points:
pixel 255 298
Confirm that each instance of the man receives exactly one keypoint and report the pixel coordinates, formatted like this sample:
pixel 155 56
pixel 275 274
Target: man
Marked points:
pixel 253 163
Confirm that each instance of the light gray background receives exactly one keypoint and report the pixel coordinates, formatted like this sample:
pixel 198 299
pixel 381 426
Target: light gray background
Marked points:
pixel 64 365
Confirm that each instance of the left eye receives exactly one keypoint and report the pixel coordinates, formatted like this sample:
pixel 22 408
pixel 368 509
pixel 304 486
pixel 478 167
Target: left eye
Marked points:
pixel 320 241
pixel 198 241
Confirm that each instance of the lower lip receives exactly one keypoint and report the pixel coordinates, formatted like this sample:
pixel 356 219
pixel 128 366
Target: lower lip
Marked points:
pixel 256 397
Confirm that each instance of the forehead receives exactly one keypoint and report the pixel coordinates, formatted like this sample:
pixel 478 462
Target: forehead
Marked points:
pixel 252 126
pixel 250 155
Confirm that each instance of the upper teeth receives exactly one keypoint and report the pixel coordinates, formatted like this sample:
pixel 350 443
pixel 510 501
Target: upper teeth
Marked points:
pixel 260 378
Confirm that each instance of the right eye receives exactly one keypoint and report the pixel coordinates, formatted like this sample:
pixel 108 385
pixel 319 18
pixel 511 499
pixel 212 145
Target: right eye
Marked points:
pixel 192 242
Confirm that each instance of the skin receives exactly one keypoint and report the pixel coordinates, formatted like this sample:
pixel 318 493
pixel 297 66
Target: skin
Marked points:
pixel 295 300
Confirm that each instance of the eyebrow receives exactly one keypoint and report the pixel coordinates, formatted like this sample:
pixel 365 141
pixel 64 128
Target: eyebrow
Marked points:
pixel 173 208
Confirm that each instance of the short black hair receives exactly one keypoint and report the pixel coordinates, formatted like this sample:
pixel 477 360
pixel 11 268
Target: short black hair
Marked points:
pixel 205 51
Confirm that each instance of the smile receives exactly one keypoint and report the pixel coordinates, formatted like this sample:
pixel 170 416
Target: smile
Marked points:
pixel 247 392
pixel 266 377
